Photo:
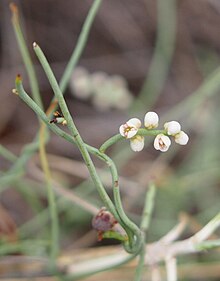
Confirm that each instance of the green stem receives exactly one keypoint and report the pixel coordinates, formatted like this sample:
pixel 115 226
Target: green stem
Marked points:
pixel 25 55
pixel 23 95
pixel 81 43
pixel 51 202
pixel 118 137
pixel 140 267
pixel 162 57
pixel 148 208
pixel 36 95
pixel 7 154
pixel 15 171
pixel 145 221
pixel 78 140
pixel 129 225
pixel 95 177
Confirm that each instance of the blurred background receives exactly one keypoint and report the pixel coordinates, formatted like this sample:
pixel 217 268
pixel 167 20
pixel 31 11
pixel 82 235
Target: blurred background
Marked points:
pixel 141 55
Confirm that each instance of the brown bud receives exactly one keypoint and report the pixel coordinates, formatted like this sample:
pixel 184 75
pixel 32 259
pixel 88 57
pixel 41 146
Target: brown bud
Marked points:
pixel 103 221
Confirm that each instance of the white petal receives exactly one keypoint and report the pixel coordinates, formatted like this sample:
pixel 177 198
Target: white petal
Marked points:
pixel 137 143
pixel 172 128
pixel 122 130
pixel 132 133
pixel 134 122
pixel 182 138
pixel 130 128
pixel 162 142
pixel 151 120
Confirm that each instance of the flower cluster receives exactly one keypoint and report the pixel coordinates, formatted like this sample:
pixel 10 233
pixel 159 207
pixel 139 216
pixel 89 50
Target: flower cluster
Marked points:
pixel 105 91
pixel 162 141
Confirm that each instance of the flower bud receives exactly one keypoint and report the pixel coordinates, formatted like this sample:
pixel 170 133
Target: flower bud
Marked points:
pixel 137 143
pixel 162 143
pixel 181 138
pixel 151 120
pixel 172 128
pixel 130 128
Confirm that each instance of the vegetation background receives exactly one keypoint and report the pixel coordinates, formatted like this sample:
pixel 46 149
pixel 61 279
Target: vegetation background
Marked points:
pixel 166 50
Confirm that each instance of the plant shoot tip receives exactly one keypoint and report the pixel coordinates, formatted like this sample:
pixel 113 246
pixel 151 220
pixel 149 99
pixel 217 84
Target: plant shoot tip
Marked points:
pixel 18 78
pixel 34 44
pixel 13 7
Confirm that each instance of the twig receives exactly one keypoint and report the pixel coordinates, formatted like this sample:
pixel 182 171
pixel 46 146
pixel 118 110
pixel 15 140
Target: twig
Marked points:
pixel 7 154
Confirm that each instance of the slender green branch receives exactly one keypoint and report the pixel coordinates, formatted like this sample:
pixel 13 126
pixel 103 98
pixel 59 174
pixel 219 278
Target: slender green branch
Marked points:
pixel 73 130
pixel 129 225
pixel 36 95
pixel 25 55
pixel 51 202
pixel 118 137
pixel 81 42
pixel 7 154
pixel 58 131
pixel 162 57
pixel 140 267
pixel 78 140
pixel 146 216
pixel 148 208
pixel 23 95
pixel 16 170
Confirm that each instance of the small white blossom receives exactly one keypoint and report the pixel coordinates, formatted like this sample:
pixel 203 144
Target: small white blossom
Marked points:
pixel 181 138
pixel 137 143
pixel 80 83
pixel 130 128
pixel 151 120
pixel 162 142
pixel 172 128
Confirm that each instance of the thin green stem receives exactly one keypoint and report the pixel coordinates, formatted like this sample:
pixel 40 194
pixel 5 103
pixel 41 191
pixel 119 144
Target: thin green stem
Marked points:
pixel 27 246
pixel 78 140
pixel 51 202
pixel 7 154
pixel 36 95
pixel 140 267
pixel 26 55
pixel 24 96
pixel 118 137
pixel 129 225
pixel 162 57
pixel 81 43
pixel 148 208
pixel 75 133
pixel 145 221
pixel 16 171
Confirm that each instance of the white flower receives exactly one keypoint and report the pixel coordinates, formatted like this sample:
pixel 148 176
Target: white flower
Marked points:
pixel 162 142
pixel 181 138
pixel 151 120
pixel 137 143
pixel 172 128
pixel 130 128
pixel 80 83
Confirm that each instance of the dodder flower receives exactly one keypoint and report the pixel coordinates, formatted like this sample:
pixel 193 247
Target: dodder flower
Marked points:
pixel 151 120
pixel 130 128
pixel 172 128
pixel 137 143
pixel 162 143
